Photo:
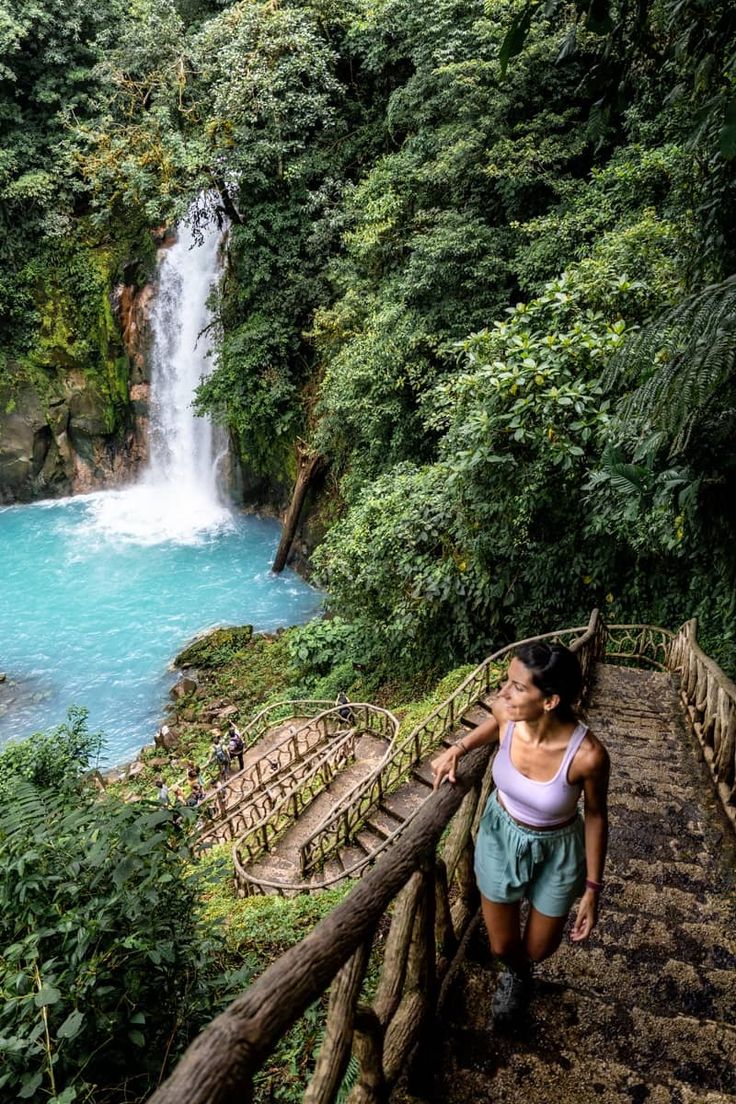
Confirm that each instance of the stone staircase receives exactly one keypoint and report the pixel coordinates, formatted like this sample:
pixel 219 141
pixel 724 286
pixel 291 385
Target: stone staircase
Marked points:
pixel 279 868
pixel 398 806
pixel 281 863
pixel 646 1011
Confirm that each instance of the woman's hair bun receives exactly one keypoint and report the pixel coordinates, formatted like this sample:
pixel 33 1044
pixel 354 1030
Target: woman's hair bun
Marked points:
pixel 554 670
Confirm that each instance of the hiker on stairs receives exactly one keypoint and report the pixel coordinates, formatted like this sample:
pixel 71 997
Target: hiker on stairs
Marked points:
pixel 533 842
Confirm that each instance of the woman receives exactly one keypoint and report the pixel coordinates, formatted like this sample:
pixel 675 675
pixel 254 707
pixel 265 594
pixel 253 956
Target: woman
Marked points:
pixel 532 840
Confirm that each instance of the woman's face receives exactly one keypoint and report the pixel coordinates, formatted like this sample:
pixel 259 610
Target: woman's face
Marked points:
pixel 523 700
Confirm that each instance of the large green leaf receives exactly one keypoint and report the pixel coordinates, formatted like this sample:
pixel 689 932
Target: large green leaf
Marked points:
pixel 71 1025
pixel 515 37
pixel 46 995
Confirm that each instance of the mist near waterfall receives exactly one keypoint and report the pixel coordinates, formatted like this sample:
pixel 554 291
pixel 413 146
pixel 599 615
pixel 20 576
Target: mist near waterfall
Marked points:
pixel 101 591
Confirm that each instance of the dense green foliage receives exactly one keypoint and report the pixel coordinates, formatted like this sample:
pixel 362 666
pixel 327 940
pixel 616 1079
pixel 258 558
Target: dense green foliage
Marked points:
pixel 97 921
pixel 51 760
pixel 97 924
pixel 56 270
pixel 480 258
pixel 397 179
pixel 115 948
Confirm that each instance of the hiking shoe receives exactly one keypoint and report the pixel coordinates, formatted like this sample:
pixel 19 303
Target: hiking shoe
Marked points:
pixel 511 997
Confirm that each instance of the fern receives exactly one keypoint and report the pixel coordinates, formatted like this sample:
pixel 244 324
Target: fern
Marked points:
pixel 686 357
pixel 29 810
pixel 352 1070
pixel 349 1080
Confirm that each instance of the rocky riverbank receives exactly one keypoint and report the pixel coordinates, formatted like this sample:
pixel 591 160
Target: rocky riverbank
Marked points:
pixel 226 674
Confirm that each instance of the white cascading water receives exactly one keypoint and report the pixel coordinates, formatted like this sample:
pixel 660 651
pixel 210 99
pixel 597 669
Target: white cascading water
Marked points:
pixel 177 497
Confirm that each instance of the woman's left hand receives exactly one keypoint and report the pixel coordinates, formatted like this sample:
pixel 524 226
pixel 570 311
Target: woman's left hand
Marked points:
pixel 587 917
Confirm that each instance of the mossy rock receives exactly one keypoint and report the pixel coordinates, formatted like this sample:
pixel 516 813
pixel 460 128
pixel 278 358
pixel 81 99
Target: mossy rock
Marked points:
pixel 216 648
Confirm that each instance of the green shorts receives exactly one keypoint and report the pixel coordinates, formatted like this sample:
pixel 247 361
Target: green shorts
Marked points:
pixel 511 862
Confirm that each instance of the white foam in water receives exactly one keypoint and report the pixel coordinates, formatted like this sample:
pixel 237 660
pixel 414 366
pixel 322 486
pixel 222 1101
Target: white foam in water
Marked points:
pixel 152 513
pixel 103 618
pixel 177 498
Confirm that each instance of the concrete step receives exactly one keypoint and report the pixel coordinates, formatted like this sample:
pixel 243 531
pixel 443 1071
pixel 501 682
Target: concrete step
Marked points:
pixel 367 840
pixel 701 944
pixel 568 1079
pixel 391 815
pixel 351 855
pixel 406 800
pixel 381 825
pixel 630 781
pixel 423 775
pixel 456 734
pixel 624 756
pixel 475 716
pixel 643 977
pixel 692 877
pixel 333 868
pixel 626 768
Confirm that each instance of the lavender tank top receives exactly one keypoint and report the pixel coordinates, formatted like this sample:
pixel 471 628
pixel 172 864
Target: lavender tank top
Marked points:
pixel 538 804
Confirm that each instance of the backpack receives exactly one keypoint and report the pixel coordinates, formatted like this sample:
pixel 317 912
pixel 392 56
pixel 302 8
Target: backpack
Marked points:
pixel 236 742
pixel 221 755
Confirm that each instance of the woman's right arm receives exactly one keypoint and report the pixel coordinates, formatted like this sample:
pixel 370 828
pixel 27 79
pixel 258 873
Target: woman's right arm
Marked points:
pixel 444 766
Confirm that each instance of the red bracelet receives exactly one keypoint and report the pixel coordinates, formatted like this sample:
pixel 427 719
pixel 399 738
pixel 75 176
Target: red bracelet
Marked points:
pixel 595 886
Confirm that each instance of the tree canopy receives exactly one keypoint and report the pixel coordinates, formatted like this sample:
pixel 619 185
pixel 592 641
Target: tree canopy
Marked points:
pixel 479 258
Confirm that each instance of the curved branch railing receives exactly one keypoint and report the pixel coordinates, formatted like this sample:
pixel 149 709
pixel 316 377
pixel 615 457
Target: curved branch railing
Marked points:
pixel 224 807
pixel 288 794
pixel 709 698
pixel 279 712
pixel 648 644
pixel 349 814
pixel 258 726
pixel 428 878
pixel 281 805
pixel 260 802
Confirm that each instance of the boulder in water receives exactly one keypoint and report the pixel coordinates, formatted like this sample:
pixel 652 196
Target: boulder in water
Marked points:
pixel 215 648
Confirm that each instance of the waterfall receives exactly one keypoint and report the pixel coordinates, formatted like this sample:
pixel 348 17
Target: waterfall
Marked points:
pixel 177 496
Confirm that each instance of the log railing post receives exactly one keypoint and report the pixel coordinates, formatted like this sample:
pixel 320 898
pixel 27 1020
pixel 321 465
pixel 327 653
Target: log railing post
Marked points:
pixel 335 1050
pixel 368 1049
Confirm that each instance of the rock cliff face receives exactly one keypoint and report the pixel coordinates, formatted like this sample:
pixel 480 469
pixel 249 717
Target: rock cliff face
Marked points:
pixel 79 430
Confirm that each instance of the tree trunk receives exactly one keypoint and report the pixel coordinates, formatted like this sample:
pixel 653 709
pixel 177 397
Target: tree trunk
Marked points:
pixel 309 468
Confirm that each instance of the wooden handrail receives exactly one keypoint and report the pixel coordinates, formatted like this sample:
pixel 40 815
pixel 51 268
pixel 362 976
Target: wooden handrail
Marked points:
pixel 708 696
pixel 219 1065
pixel 428 873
